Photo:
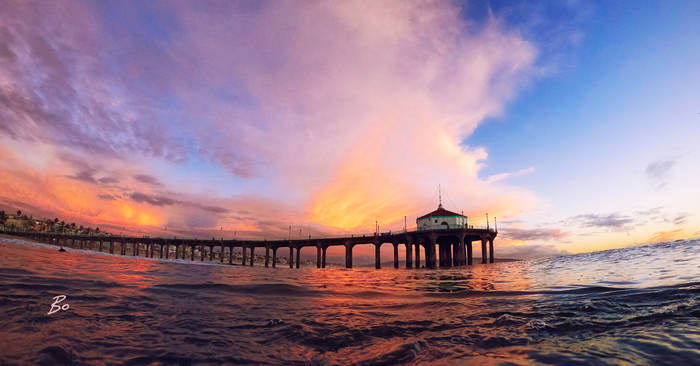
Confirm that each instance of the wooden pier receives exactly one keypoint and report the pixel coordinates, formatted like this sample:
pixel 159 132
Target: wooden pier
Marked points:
pixel 453 247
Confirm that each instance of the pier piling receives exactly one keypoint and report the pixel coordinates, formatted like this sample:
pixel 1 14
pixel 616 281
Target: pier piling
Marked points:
pixel 396 255
pixel 318 256
pixel 469 253
pixel 348 255
pixel 430 254
pixel 417 245
pixel 377 254
pixel 409 253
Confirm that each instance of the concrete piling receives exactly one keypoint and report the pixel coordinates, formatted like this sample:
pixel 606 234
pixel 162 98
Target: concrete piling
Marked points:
pixel 417 264
pixel 409 253
pixel 396 255
pixel 470 258
pixel 318 256
pixel 348 255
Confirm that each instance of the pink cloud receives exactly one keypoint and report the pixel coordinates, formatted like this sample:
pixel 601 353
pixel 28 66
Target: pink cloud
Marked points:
pixel 358 109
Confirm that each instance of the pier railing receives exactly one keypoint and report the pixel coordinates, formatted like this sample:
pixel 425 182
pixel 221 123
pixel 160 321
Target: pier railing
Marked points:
pixel 5 228
pixel 451 253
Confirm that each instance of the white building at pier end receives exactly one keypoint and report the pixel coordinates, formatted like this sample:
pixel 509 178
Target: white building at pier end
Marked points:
pixel 441 219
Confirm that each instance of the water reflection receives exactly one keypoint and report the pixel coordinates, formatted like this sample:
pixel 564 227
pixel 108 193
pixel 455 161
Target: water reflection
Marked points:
pixel 151 311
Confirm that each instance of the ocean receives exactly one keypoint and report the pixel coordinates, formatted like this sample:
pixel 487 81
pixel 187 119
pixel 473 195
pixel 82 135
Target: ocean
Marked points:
pixel 633 306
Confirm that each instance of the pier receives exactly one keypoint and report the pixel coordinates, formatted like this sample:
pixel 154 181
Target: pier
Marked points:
pixel 453 247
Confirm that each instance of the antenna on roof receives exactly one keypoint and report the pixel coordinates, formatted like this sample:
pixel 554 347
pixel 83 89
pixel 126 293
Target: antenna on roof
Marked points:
pixel 439 196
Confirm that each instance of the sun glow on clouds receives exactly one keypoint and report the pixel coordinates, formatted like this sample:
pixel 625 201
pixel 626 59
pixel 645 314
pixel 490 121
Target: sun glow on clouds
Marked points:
pixel 359 109
pixel 141 218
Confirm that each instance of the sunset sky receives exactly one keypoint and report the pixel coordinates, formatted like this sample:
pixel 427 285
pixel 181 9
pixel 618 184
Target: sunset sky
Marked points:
pixel 575 123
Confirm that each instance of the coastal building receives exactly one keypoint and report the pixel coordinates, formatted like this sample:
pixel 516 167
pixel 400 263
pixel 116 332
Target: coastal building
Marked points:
pixel 441 219
pixel 19 222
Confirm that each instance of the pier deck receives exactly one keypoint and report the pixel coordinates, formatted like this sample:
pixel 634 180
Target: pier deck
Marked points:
pixel 453 247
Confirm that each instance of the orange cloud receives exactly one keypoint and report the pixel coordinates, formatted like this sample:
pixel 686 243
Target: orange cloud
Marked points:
pixel 356 110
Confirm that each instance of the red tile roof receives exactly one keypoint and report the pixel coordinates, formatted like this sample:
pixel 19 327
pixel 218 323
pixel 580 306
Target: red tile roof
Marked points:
pixel 440 212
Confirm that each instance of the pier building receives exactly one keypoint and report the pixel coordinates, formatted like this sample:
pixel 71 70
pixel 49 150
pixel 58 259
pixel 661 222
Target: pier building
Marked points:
pixel 441 219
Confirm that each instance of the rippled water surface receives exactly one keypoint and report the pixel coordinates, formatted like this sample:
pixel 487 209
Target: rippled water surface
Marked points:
pixel 630 306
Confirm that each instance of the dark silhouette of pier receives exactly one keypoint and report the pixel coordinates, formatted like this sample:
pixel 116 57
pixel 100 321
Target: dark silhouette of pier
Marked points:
pixel 453 247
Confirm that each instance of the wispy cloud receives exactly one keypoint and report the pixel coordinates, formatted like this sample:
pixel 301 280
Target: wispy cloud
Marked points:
pixel 537 234
pixel 680 219
pixel 663 236
pixel 626 222
pixel 148 179
pixel 614 221
pixel 106 197
pixel 84 176
pixel 658 172
pixel 157 200
pixel 498 177
pixel 152 200
pixel 530 251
